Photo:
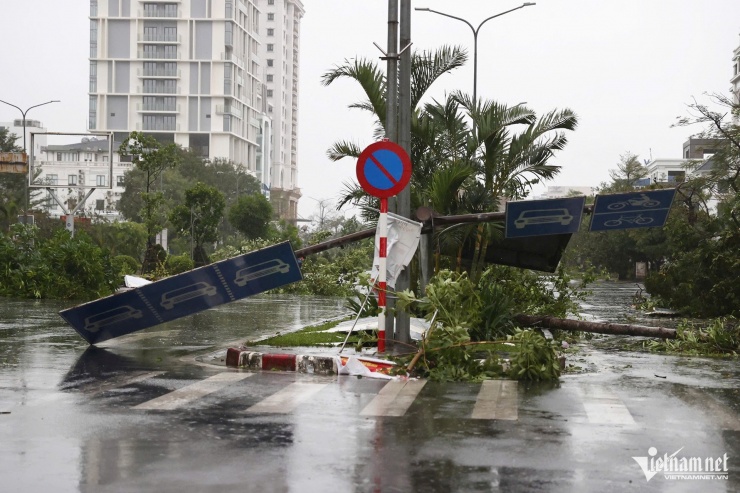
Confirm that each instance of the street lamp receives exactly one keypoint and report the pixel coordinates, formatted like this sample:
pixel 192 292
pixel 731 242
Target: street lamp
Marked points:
pixel 475 38
pixel 24 139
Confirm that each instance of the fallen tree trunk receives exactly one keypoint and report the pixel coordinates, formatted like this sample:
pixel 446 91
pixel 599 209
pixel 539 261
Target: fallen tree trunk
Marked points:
pixel 597 327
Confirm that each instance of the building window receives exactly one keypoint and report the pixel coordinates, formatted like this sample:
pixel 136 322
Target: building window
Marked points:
pixel 269 77
pixel 52 179
pixel 99 205
pixel 100 180
pixel 269 93
pixel 270 2
pixel 271 17
pixel 119 180
pixel 270 62
pixel 270 31
pixel 72 180
pixel 270 47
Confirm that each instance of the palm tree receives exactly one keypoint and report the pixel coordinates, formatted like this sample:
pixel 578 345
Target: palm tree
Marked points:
pixel 426 68
pixel 459 168
pixel 510 163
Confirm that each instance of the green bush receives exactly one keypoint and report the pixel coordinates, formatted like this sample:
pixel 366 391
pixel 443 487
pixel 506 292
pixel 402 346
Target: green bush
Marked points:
pixel 59 267
pixel 177 264
pixel 125 265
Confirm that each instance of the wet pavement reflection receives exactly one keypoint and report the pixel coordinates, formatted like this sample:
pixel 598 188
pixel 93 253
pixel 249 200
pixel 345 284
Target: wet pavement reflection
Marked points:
pixel 80 418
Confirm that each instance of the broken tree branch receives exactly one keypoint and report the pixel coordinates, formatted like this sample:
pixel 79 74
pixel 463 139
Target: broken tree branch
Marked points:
pixel 597 327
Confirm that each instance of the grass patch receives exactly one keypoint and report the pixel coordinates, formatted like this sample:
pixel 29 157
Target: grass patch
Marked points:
pixel 313 335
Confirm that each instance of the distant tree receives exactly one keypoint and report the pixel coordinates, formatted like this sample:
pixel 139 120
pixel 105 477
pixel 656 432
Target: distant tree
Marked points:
pixel 151 158
pixel 629 171
pixel 199 218
pixel 251 215
pixel 11 184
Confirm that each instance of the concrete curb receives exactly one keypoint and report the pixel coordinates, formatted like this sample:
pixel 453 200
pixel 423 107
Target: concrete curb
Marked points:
pixel 244 358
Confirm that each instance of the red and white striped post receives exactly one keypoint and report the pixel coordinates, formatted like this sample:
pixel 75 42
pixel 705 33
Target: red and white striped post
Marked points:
pixel 382 271
pixel 383 170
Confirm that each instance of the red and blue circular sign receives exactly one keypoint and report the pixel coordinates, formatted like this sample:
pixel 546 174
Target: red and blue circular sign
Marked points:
pixel 383 169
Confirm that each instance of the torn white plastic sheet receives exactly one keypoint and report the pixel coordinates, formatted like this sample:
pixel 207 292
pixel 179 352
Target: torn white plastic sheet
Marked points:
pixel 353 366
pixel 135 282
pixel 403 240
pixel 418 326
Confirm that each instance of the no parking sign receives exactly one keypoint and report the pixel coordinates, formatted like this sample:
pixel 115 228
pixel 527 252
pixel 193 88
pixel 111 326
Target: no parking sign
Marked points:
pixel 383 169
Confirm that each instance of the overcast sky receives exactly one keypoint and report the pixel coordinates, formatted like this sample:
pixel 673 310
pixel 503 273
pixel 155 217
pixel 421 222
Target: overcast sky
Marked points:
pixel 626 67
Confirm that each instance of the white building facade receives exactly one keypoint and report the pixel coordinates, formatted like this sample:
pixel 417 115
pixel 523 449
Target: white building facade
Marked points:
pixel 280 53
pixel 32 126
pixel 71 170
pixel 184 71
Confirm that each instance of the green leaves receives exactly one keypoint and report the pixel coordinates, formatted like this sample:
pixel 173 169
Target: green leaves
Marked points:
pixel 535 359
pixel 60 267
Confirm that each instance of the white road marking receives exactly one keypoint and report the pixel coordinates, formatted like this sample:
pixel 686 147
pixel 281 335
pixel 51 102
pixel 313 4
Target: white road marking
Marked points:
pixel 287 399
pixel 604 407
pixel 497 399
pixel 394 398
pixel 189 393
pixel 138 377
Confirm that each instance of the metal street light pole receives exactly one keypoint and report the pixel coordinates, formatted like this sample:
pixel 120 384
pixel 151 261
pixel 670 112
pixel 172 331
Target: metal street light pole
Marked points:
pixel 475 30
pixel 24 141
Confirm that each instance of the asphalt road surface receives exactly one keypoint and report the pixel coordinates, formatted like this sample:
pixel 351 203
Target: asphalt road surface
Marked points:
pixel 145 413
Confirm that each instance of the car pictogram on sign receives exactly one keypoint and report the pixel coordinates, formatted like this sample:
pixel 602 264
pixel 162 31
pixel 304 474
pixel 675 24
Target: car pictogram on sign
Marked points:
pixel 543 216
pixel 186 293
pixel 260 270
pixel 95 322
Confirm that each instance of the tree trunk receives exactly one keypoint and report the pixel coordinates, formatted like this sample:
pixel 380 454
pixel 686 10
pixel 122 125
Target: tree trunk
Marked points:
pixel 597 327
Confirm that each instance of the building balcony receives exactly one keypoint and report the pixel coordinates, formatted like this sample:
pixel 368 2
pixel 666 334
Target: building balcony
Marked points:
pixel 157 90
pixel 161 13
pixel 228 110
pixel 158 127
pixel 158 108
pixel 170 74
pixel 160 38
pixel 233 58
pixel 159 55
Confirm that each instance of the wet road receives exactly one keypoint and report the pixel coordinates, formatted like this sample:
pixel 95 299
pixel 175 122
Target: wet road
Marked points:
pixel 140 415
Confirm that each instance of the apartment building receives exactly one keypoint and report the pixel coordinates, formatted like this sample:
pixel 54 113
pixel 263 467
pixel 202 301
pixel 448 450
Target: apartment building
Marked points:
pixel 184 71
pixel 280 53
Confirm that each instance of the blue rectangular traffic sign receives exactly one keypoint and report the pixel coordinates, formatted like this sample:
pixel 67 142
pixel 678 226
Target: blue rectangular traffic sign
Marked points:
pixel 644 209
pixel 544 217
pixel 184 294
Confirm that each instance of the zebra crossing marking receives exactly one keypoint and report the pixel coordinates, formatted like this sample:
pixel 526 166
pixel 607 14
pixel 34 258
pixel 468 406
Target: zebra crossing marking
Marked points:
pixel 394 398
pixel 192 392
pixel 604 407
pixel 287 399
pixel 497 399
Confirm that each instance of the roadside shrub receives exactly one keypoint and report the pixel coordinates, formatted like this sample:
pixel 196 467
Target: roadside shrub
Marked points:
pixel 177 264
pixel 59 267
pixel 125 265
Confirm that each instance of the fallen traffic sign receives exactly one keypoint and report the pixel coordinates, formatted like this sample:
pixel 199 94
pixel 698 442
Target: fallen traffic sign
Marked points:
pixel 643 209
pixel 543 217
pixel 184 294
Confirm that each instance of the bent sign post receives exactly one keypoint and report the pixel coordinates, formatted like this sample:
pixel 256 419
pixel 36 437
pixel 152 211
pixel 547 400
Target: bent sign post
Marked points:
pixel 383 170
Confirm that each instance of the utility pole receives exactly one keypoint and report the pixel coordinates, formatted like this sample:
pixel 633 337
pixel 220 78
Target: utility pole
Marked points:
pixel 391 113
pixel 403 200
